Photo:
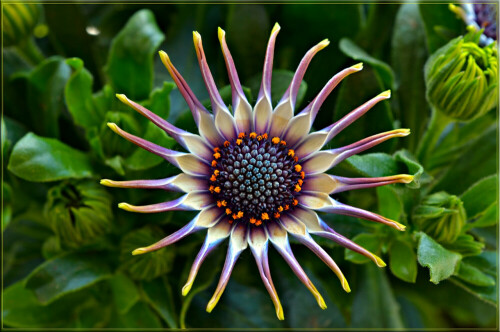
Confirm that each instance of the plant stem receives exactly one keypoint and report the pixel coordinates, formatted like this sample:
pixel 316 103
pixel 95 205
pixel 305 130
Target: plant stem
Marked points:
pixel 437 123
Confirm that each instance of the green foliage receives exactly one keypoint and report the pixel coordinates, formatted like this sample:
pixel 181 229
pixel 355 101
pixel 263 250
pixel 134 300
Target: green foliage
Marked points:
pixel 67 259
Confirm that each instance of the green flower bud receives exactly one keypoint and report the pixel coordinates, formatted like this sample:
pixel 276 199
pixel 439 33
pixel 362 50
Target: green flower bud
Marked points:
pixel 442 216
pixel 19 21
pixel 461 78
pixel 150 266
pixel 78 212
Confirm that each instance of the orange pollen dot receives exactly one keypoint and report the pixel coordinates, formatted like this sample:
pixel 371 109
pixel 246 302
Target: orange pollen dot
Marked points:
pixel 283 142
pixel 216 149
pixel 252 220
pixel 216 172
pixel 295 202
pixel 291 153
pixel 211 189
pixel 297 188
pixel 226 143
pixel 230 221
pixel 275 140
pixel 235 216
pixel 298 168
pixel 296 158
pixel 241 135
pixel 214 163
pixel 217 155
pixel 300 182
pixel 223 203
pixel 253 135
pixel 213 178
pixel 265 216
pixel 240 214
pixel 259 138
pixel 219 204
pixel 238 141
pixel 302 175
pixel 277 215
pixel 264 136
pixel 258 223
pixel 228 211
pixel 217 190
pixel 280 209
pixel 287 207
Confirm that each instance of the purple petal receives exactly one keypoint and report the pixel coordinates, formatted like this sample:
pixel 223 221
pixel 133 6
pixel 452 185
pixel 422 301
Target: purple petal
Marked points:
pixel 182 183
pixel 195 200
pixel 237 243
pixel 214 237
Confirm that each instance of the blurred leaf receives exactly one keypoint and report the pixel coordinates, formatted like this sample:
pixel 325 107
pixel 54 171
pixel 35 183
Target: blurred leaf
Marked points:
pixel 130 61
pixel 140 316
pixel 374 304
pixel 79 99
pixel 125 293
pixel 41 159
pixel 442 263
pixel 65 274
pixel 370 242
pixel 481 196
pixel 407 59
pixel 280 81
pixel 441 24
pixel 159 295
pixel 349 48
pixel 403 261
pixel 466 245
pixel 6 204
pixel 474 276
pixel 21 309
pixel 46 95
pixel 159 100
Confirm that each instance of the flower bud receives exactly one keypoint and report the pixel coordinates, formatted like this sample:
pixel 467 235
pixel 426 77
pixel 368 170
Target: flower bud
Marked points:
pixel 78 212
pixel 441 216
pixel 150 266
pixel 19 21
pixel 479 16
pixel 462 78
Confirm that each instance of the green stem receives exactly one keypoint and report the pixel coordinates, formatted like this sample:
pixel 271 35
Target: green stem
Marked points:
pixel 437 123
pixel 30 51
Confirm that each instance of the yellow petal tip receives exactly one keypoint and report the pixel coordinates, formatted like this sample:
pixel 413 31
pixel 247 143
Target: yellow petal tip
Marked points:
pixel 276 28
pixel 113 126
pixel 106 182
pixel 125 206
pixel 399 226
pixel 280 314
pixel 345 285
pixel 380 262
pixel 324 43
pixel 406 178
pixel 386 94
pixel 358 66
pixel 220 33
pixel 186 289
pixel 122 97
pixel 211 305
pixel 139 251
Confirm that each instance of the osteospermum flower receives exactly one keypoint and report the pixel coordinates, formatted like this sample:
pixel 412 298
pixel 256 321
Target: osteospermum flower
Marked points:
pixel 257 174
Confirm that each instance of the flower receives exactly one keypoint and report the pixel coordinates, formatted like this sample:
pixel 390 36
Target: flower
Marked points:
pixel 257 174
pixel 479 16
pixel 462 78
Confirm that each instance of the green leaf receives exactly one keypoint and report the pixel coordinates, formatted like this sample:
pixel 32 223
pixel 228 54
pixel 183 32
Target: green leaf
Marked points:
pixel 65 274
pixel 414 168
pixel 374 304
pixel 140 316
pixel 481 196
pixel 466 245
pixel 130 61
pixel 349 48
pixel 389 203
pixel 403 261
pixel 280 81
pixel 45 95
pixel 21 309
pixel 159 295
pixel 125 293
pixel 368 241
pixel 442 263
pixel 407 59
pixel 159 100
pixel 41 159
pixel 474 276
pixel 79 98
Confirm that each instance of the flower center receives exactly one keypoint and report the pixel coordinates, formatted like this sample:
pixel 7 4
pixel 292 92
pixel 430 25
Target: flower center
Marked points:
pixel 255 178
